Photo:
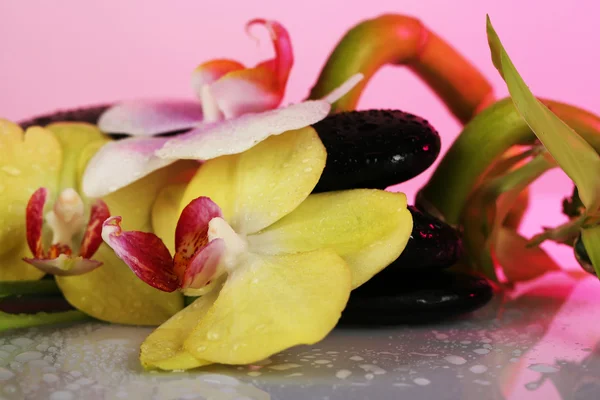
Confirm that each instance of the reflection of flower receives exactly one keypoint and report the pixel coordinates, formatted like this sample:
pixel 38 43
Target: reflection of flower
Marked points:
pixel 47 164
pixel 238 110
pixel 282 261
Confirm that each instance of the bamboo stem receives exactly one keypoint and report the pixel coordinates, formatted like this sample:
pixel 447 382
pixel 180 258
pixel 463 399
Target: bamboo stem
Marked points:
pixel 481 143
pixel 404 41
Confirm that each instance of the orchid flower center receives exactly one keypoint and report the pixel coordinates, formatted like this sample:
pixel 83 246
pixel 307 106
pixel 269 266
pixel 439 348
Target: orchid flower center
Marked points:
pixel 235 244
pixel 67 217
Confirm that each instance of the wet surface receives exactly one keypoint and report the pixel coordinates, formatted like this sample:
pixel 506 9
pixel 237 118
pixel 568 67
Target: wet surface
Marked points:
pixel 541 341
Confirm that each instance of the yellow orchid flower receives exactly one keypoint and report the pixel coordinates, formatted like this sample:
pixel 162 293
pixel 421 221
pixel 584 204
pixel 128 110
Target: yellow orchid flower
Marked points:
pixel 39 237
pixel 273 264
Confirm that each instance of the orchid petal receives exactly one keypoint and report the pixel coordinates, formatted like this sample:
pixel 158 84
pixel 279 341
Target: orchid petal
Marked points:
pixel 112 293
pixel 119 163
pixel 192 229
pixel 283 61
pixel 165 213
pixel 35 221
pixel 271 303
pixel 367 228
pixel 75 138
pixel 246 91
pixel 150 117
pixel 208 72
pixel 28 160
pixel 257 89
pixel 163 348
pixel 92 238
pixel 191 233
pixel 240 134
pixel 203 267
pixel 261 185
pixel 64 265
pixel 212 140
pixel 144 253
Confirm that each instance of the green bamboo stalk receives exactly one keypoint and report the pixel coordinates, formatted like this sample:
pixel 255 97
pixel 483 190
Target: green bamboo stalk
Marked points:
pixel 483 140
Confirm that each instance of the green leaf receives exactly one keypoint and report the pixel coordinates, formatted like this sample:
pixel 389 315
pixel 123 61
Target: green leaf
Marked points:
pixel 574 155
pixel 489 206
pixel 11 321
pixel 591 240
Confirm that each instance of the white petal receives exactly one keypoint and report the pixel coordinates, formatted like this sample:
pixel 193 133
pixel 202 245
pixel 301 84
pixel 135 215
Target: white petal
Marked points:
pixel 240 134
pixel 119 163
pixel 150 117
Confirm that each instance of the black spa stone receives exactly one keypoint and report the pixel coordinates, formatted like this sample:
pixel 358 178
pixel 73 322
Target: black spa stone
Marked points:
pixel 375 149
pixel 582 256
pixel 415 297
pixel 432 244
pixel 84 114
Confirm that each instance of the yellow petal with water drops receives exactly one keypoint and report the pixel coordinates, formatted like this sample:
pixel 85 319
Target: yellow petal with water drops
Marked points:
pixel 163 349
pixel 271 303
pixel 74 138
pixel 134 202
pixel 28 161
pixel 261 185
pixel 112 292
pixel 165 213
pixel 13 268
pixel 368 228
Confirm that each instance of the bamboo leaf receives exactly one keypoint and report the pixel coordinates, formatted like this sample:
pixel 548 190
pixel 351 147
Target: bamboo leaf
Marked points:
pixel 574 155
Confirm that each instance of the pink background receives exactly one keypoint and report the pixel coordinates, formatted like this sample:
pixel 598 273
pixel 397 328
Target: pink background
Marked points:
pixel 58 54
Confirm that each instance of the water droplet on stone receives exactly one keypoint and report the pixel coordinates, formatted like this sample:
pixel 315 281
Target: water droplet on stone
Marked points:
pixel 212 336
pixel 201 348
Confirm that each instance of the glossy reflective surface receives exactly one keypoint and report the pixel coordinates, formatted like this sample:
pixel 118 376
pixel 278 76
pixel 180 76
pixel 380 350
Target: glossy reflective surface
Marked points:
pixel 541 341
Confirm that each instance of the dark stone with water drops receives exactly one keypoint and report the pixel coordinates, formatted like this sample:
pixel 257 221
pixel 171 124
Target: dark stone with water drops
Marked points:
pixel 89 114
pixel 415 297
pixel 375 149
pixel 432 244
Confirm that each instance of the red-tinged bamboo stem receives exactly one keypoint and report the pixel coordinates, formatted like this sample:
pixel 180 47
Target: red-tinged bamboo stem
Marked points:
pixel 404 41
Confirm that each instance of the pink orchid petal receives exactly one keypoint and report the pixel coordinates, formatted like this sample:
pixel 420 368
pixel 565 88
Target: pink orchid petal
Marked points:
pixel 64 265
pixel 150 117
pixel 242 133
pixel 249 90
pixel 282 64
pixel 121 162
pixel 92 238
pixel 208 72
pixel 34 217
pixel 203 267
pixel 144 253
pixel 191 234
pixel 246 91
